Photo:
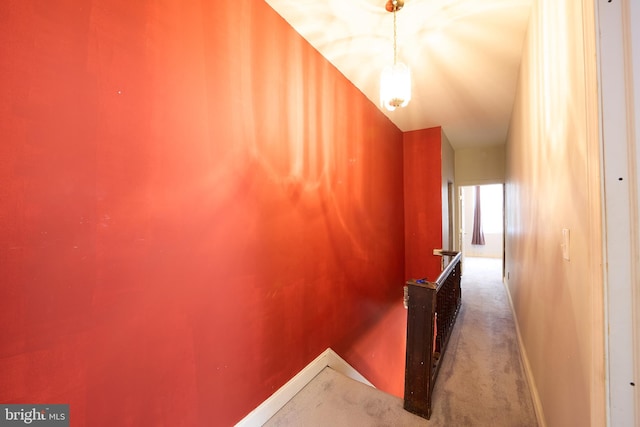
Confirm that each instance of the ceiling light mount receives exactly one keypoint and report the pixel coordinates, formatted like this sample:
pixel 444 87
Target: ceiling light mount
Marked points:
pixel 394 6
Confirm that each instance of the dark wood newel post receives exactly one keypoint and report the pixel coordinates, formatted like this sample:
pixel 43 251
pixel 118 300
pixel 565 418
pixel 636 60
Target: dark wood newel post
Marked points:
pixel 432 308
pixel 421 305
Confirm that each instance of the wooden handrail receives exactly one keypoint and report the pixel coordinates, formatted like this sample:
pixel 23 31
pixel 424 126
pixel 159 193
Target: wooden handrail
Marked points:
pixel 457 256
pixel 444 252
pixel 432 311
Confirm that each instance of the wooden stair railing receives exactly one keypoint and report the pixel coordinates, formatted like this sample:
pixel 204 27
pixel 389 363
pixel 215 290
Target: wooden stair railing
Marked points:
pixel 432 311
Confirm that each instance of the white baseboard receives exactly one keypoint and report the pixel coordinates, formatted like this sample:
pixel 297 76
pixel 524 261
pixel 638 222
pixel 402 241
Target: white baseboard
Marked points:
pixel 537 403
pixel 277 400
pixel 337 363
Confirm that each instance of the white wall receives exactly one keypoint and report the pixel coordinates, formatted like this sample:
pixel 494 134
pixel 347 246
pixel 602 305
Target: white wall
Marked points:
pixel 634 17
pixel 480 165
pixel 619 60
pixel 553 183
pixel 448 168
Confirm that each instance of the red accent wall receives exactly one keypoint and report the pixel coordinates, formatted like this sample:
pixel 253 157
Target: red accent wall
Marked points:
pixel 194 204
pixel 423 202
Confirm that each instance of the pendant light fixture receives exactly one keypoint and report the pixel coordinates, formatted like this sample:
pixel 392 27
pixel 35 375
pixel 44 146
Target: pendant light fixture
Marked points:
pixel 395 81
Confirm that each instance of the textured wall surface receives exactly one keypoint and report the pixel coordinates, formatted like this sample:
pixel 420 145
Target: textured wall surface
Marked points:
pixel 194 205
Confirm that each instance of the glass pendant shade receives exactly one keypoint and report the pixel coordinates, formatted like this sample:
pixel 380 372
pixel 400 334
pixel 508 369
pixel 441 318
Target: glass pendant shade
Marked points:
pixel 395 86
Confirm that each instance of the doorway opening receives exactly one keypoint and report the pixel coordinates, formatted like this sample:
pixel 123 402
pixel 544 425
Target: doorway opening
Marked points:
pixel 482 224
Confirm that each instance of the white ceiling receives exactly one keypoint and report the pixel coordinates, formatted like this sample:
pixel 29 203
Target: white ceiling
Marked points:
pixel 464 57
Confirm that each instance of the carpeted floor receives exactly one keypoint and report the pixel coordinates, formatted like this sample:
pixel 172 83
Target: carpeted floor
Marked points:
pixel 481 380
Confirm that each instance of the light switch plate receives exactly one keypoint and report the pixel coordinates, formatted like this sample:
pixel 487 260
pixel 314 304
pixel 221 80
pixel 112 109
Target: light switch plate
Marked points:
pixel 565 243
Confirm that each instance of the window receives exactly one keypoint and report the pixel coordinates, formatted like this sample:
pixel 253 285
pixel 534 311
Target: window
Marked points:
pixel 491 205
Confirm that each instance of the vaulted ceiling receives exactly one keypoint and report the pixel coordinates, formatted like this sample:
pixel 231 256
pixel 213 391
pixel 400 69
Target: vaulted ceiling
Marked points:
pixel 464 57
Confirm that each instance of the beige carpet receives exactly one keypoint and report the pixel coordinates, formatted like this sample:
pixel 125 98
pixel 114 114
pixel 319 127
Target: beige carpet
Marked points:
pixel 335 400
pixel 481 380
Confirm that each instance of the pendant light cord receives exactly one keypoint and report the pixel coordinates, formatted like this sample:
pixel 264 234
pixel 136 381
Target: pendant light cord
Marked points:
pixel 395 34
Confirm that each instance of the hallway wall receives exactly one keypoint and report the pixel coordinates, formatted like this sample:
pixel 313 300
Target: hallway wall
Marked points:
pixel 480 165
pixel 424 182
pixel 448 208
pixel 194 205
pixel 552 184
